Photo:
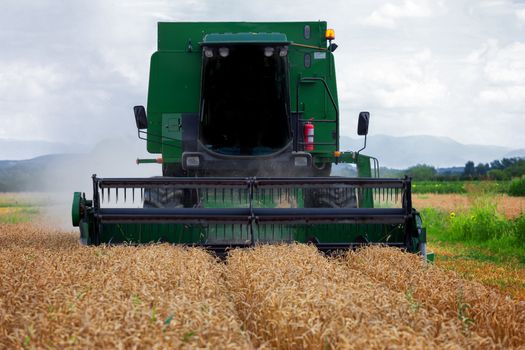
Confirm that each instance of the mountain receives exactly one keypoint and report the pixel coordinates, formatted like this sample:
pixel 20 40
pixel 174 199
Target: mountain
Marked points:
pixel 403 152
pixel 72 172
pixel 116 158
pixel 518 153
pixel 22 149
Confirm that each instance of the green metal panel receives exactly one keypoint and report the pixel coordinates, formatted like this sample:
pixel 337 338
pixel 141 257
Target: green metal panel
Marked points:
pixel 200 234
pixel 178 36
pixel 171 133
pixel 174 87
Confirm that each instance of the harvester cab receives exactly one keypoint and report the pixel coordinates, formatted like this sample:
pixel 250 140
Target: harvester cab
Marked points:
pixel 246 119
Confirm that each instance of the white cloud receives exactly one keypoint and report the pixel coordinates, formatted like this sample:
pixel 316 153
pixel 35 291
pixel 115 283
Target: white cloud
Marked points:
pixel 520 13
pixel 29 80
pixel 499 73
pixel 509 95
pixel 388 14
pixel 507 65
pixel 493 3
pixel 411 80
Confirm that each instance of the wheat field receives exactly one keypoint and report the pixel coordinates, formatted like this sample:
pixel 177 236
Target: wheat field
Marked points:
pixel 56 294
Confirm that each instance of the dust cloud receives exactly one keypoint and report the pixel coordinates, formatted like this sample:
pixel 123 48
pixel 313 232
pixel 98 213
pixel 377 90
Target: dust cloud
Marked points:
pixel 65 175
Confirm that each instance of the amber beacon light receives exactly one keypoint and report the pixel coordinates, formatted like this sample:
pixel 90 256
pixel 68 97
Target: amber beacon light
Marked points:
pixel 330 34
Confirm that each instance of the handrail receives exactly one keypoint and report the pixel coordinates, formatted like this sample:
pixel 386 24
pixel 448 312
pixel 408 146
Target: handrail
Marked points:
pixel 334 104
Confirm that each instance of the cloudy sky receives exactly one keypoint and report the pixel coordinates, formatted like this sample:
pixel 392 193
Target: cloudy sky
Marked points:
pixel 70 71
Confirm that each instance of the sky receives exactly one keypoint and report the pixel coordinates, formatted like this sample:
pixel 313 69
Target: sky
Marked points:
pixel 70 71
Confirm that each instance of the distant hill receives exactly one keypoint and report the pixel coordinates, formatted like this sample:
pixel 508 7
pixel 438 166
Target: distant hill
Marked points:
pixel 519 153
pixel 403 152
pixel 72 172
pixel 22 149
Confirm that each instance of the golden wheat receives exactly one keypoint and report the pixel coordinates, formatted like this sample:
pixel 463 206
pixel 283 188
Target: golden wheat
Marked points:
pixel 482 310
pixel 55 293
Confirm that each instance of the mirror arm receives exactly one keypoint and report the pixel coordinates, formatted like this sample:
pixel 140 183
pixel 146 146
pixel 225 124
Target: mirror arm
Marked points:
pixel 142 132
pixel 364 146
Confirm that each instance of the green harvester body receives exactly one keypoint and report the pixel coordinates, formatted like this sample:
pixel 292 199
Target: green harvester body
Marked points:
pixel 229 111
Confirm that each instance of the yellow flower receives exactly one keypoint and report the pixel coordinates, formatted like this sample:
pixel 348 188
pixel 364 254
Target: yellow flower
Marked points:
pixel 452 215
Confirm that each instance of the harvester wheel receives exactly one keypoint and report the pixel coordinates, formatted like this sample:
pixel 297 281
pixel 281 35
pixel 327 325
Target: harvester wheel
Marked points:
pixel 330 198
pixel 169 198
pixel 163 198
pixel 76 209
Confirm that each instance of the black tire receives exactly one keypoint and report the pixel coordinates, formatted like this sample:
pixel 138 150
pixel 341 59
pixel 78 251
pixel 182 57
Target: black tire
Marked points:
pixel 329 198
pixel 163 198
pixel 169 198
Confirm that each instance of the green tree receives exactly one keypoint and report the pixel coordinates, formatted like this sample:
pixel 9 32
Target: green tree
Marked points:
pixel 481 169
pixel 517 168
pixel 470 169
pixel 422 172
pixel 496 164
pixel 497 174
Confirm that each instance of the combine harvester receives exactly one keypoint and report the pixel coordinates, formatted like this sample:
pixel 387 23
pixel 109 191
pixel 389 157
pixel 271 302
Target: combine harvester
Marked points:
pixel 246 118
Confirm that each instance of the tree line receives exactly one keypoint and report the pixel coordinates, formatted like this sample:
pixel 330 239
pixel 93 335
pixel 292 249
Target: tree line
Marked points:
pixel 504 169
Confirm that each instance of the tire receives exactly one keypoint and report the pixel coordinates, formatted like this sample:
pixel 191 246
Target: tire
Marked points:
pixel 329 198
pixel 164 197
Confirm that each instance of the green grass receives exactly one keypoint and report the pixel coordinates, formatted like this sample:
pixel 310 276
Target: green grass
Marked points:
pixel 16 209
pixel 11 203
pixel 24 214
pixel 485 234
pixel 517 187
pixel 442 187
pixel 439 187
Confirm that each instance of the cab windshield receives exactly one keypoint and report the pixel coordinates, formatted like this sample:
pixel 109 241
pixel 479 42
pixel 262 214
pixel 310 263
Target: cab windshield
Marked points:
pixel 244 100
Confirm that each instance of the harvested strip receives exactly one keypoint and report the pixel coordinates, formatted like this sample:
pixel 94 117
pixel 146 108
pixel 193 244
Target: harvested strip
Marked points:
pixel 57 294
pixel 291 297
pixel 482 310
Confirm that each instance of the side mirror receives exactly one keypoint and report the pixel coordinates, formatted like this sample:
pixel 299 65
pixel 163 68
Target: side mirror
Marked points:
pixel 140 117
pixel 362 125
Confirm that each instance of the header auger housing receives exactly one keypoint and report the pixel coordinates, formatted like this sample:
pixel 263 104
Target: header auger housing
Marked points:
pixel 246 119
